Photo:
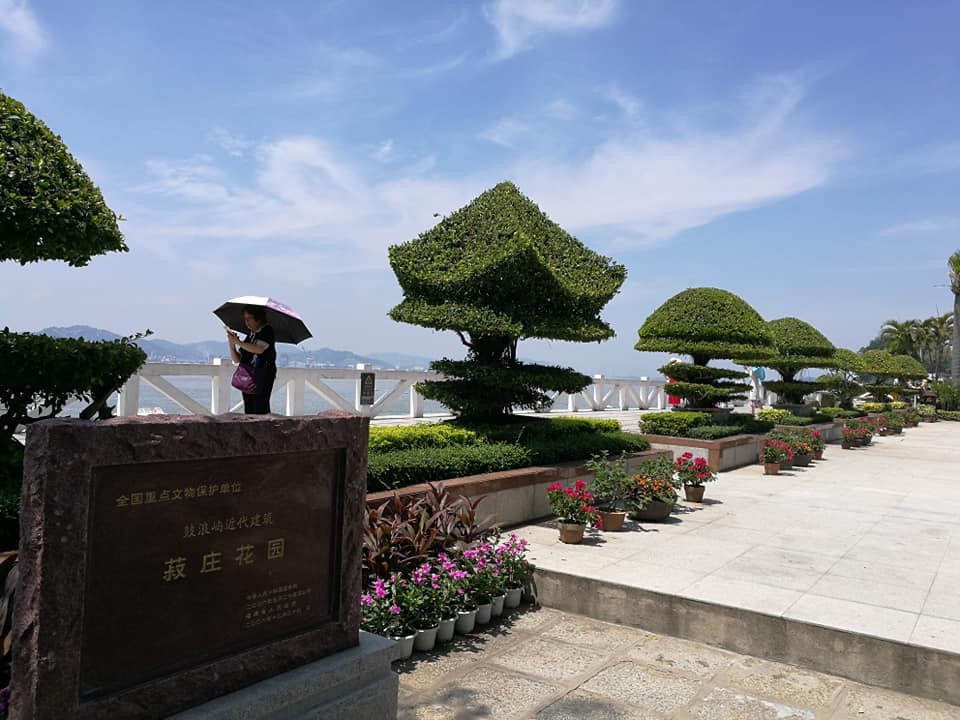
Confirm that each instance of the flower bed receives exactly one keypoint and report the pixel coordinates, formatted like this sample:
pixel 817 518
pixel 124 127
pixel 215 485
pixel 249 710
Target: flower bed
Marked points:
pixel 510 497
pixel 724 454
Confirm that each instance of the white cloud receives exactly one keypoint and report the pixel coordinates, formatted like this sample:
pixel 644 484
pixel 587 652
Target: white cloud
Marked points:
pixel 628 104
pixel 18 20
pixel 384 151
pixel 925 225
pixel 233 144
pixel 316 200
pixel 520 23
pixel 507 132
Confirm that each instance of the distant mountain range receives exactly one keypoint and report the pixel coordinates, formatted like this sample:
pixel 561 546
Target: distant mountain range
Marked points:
pixel 287 355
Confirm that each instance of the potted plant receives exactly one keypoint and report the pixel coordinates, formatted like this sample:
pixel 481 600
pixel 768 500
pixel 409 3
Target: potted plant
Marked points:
pixel 802 452
pixel 692 473
pixel 609 485
pixel 651 498
pixel 574 510
pixel 456 606
pixel 481 582
pixel 517 570
pixel 422 600
pixel 848 437
pixel 773 453
pixel 382 614
pixel 815 438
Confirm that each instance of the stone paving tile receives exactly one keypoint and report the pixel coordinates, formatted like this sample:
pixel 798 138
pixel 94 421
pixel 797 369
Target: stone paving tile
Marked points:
pixel 872 592
pixel 777 567
pixel 646 676
pixel 581 705
pixel 642 686
pixel 661 578
pixel 862 702
pixel 749 595
pixel 937 632
pixel 589 633
pixel 853 616
pixel 892 574
pixel 548 659
pixel 676 655
pixel 724 704
pixel 794 686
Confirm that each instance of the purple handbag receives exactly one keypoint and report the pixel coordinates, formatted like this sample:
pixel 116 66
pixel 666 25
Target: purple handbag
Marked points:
pixel 246 378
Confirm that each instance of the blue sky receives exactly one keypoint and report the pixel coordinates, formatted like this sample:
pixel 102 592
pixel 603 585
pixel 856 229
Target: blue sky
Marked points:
pixel 805 156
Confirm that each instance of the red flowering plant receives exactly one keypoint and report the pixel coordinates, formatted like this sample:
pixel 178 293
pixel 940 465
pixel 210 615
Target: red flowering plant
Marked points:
pixel 693 471
pixel 775 452
pixel 848 435
pixel 646 490
pixel 573 504
pixel 816 441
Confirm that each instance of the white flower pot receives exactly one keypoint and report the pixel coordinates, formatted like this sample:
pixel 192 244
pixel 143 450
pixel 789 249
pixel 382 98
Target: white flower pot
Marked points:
pixel 514 596
pixel 404 646
pixel 425 639
pixel 497 609
pixel 445 630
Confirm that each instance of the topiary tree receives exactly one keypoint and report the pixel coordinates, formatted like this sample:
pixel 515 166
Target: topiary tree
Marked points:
pixel 843 379
pixel 909 368
pixel 50 210
pixel 707 324
pixel 799 346
pixel 495 272
pixel 883 367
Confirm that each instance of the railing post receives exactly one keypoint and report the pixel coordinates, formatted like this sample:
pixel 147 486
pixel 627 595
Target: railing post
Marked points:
pixel 220 387
pixel 571 402
pixel 416 403
pixel 597 392
pixel 362 408
pixel 295 392
pixel 128 399
pixel 624 399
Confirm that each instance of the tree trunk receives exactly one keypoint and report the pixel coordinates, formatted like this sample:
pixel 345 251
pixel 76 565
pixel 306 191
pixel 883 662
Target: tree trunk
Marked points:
pixel 955 350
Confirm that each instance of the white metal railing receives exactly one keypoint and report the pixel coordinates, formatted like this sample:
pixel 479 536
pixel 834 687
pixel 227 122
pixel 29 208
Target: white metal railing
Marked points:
pixel 623 394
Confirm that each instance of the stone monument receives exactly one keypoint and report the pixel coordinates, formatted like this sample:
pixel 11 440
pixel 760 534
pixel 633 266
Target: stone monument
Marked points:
pixel 167 561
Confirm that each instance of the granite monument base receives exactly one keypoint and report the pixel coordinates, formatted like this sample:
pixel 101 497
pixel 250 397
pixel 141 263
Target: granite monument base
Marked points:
pixel 353 683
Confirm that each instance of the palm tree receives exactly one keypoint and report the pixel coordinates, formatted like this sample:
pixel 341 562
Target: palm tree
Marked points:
pixel 953 264
pixel 939 330
pixel 901 338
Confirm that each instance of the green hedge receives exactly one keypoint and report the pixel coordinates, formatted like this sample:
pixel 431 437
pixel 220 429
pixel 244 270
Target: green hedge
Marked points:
pixel 401 456
pixel 676 424
pixel 400 468
pixel 714 432
pixel 748 424
pixel 948 414
pixel 796 421
pixel 387 439
pixel 835 412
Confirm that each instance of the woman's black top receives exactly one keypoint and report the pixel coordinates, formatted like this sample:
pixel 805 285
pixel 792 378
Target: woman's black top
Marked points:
pixel 268 358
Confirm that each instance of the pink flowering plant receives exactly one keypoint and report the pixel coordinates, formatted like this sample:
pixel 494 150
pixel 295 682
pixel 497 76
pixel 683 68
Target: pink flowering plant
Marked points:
pixel 573 504
pixel 512 553
pixel 421 597
pixel 693 471
pixel 381 611
pixel 454 589
pixel 484 572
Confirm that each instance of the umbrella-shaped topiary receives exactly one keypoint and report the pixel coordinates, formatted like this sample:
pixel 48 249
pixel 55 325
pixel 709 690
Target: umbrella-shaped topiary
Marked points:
pixel 496 271
pixel 707 324
pixel 883 366
pixel 799 346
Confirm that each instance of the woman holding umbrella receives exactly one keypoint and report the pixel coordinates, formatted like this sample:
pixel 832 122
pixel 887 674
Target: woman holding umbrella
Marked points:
pixel 258 348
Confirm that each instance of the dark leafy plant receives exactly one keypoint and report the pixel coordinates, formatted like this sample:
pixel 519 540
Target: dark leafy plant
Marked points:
pixel 714 432
pixel 676 424
pixel 496 271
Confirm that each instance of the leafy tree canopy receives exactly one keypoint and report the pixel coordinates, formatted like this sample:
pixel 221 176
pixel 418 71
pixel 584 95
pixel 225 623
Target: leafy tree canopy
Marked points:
pixel 880 363
pixel 49 208
pixel 500 267
pixel 849 360
pixel 909 368
pixel 707 323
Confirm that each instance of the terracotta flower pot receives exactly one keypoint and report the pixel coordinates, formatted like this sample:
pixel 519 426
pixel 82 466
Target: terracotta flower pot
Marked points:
pixel 612 521
pixel 571 533
pixel 846 445
pixel 818 455
pixel 694 493
pixel 771 468
pixel 801 460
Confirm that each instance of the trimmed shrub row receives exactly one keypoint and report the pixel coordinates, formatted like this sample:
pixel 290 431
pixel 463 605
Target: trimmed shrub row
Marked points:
pixel 677 424
pixel 948 414
pixel 401 456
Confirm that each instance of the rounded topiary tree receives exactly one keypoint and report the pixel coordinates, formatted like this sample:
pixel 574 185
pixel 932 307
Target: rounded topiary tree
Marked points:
pixel 883 367
pixel 496 271
pixel 909 368
pixel 50 210
pixel 706 324
pixel 842 380
pixel 799 346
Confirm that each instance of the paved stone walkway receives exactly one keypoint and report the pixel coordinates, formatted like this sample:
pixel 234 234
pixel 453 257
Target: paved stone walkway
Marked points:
pixel 544 664
pixel 865 541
